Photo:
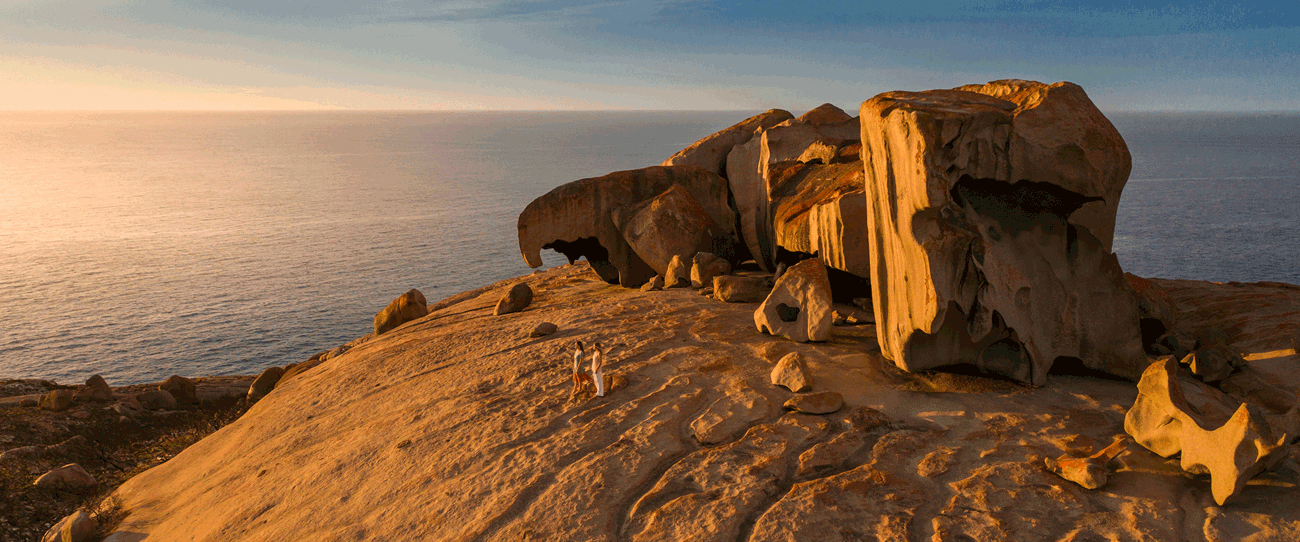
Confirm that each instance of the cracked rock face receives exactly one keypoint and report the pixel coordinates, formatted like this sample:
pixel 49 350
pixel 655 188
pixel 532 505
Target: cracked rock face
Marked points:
pixel 580 219
pixel 991 212
pixel 1174 415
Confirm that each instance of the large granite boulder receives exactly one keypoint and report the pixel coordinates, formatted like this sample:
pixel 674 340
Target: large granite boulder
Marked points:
pixel 1175 414
pixel 577 219
pixel 407 307
pixel 516 299
pixel 748 170
pixel 820 209
pixel 264 383
pixel 711 152
pixel 670 224
pixel 990 212
pixel 799 307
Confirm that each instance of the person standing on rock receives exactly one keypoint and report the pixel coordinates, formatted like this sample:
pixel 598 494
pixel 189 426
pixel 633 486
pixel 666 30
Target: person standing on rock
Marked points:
pixel 597 368
pixel 580 378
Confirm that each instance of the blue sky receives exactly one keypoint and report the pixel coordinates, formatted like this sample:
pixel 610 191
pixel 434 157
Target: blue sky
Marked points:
pixel 648 54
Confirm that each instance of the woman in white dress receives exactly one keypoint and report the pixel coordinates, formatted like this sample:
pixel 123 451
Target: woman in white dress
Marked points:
pixel 597 368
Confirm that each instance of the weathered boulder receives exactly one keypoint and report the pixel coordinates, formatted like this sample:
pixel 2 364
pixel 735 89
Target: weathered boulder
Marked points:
pixel 407 307
pixel 705 266
pixel 77 527
pixel 543 329
pixel 799 307
pixel 792 373
pixel 578 218
pixel 515 300
pixel 180 388
pixel 295 369
pixel 820 209
pixel 822 402
pixel 655 284
pixel 70 476
pixel 678 274
pixel 748 170
pixel 1174 414
pixel 740 289
pixel 991 211
pixel 711 152
pixel 95 390
pixel 670 224
pixel 1090 472
pixel 156 400
pixel 264 383
pixel 56 400
pixel 1213 363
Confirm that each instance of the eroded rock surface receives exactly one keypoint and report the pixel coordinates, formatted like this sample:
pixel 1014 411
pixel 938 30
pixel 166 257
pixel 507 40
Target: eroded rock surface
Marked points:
pixel 821 210
pixel 711 152
pixel 405 308
pixel 705 266
pixel 991 213
pixel 670 224
pixel 799 307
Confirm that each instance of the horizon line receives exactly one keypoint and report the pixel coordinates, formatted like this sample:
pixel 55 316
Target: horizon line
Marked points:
pixel 341 110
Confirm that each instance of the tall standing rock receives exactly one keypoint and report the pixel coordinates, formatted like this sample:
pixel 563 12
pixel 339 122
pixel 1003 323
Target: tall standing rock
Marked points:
pixel 407 307
pixel 991 211
pixel 711 152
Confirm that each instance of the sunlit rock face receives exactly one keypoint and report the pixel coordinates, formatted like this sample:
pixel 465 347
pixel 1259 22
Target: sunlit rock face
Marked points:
pixel 991 211
pixel 711 152
pixel 581 219
pixel 821 209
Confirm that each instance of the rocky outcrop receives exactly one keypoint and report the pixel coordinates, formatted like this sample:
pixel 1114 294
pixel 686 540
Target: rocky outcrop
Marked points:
pixel 56 400
pixel 407 307
pixel 711 152
pixel 264 383
pixel 1175 414
pixel 820 210
pixel 799 307
pixel 678 274
pixel 96 390
pixel 77 527
pixel 516 299
pixel 156 400
pixel 70 476
pixel 670 224
pixel 749 170
pixel 991 211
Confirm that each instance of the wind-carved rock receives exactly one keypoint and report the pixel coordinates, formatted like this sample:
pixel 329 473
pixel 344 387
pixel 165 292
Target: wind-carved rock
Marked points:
pixel 749 169
pixel 711 152
pixel 1174 415
pixel 991 211
pixel 670 224
pixel 799 306
pixel 820 209
pixel 578 219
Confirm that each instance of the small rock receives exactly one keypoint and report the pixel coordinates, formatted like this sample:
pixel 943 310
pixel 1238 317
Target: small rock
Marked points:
pixel 181 389
pixel 57 400
pixel 822 402
pixel 543 329
pixel 16 453
pixel 264 383
pixel 519 297
pixel 1089 472
pixel 96 390
pixel 678 274
pixel 70 476
pixel 792 372
pixel 654 284
pixel 407 307
pixel 77 527
pixel 936 463
pixel 863 303
pixel 80 415
pixel 706 291
pixel 705 266
pixel 1213 363
pixel 735 289
pixel 156 400
pixel 127 410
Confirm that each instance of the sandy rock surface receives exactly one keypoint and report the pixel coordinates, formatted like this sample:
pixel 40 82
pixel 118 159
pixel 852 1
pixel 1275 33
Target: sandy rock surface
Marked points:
pixel 459 427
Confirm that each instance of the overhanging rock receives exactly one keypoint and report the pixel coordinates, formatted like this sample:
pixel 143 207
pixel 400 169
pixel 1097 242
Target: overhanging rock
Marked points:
pixel 991 211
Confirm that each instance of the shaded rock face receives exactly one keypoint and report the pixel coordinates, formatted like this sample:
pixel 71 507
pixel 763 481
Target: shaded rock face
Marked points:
pixel 1174 414
pixel 710 153
pixel 678 274
pixel 77 527
pixel 181 388
pixel 705 266
pixel 156 400
pixel 792 373
pixel 96 389
pixel 407 307
pixel 56 400
pixel 990 212
pixel 515 300
pixel 670 224
pixel 578 219
pixel 799 307
pixel 749 170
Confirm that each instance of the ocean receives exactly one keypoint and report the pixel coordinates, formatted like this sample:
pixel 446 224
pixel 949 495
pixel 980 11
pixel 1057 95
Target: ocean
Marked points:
pixel 141 245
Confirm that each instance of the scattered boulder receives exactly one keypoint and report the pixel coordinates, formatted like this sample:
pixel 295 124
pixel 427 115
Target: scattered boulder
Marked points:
pixel 654 284
pixel 264 383
pixel 578 218
pixel 543 329
pixel 792 373
pixel 738 289
pixel 519 296
pixel 705 266
pixel 95 390
pixel 1090 472
pixel 70 476
pixel 181 388
pixel 671 224
pixel 678 274
pixel 822 402
pixel 1213 363
pixel 156 400
pixel 56 400
pixel 1174 414
pixel 77 527
pixel 799 307
pixel 19 453
pixel 991 213
pixel 407 307
pixel 711 152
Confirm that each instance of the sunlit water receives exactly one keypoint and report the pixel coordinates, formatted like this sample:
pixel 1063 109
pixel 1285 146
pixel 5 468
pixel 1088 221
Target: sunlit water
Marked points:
pixel 139 245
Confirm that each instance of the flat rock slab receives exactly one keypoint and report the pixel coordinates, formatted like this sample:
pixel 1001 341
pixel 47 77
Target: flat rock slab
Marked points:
pixel 822 402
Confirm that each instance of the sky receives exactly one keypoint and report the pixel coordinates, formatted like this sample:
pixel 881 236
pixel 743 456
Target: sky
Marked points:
pixel 634 55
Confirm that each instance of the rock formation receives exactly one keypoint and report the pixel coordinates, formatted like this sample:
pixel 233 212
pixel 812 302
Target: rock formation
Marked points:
pixel 799 307
pixel 670 224
pixel 264 383
pixel 738 289
pixel 56 400
pixel 1089 472
pixel 711 152
pixel 705 266
pixel 407 307
pixel 991 213
pixel 1174 415
pixel 820 210
pixel 792 373
pixel 181 389
pixel 70 476
pixel 678 274
pixel 516 299
pixel 579 219
pixel 96 390
pixel 77 527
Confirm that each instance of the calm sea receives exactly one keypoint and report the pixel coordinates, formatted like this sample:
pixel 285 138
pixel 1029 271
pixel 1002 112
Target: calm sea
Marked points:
pixel 140 245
